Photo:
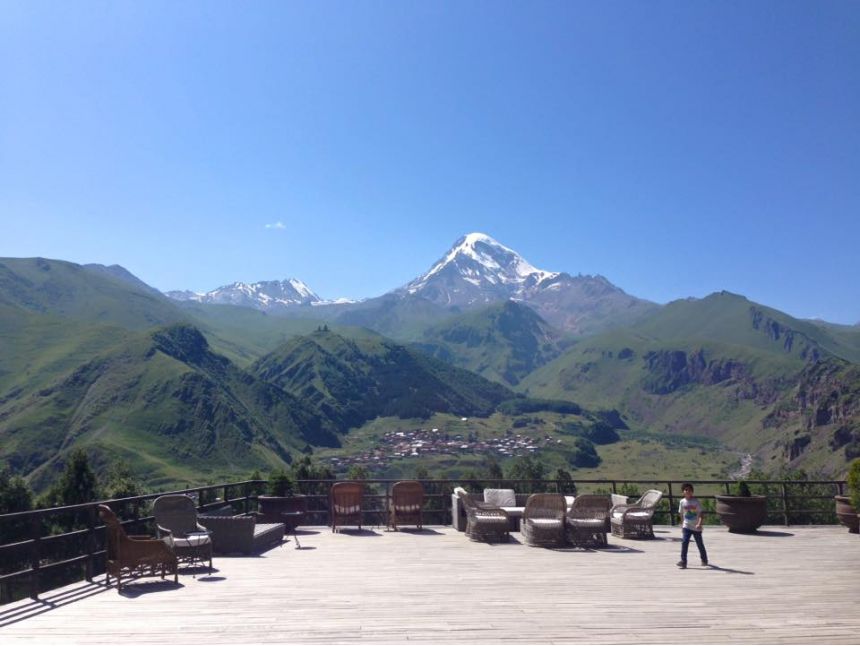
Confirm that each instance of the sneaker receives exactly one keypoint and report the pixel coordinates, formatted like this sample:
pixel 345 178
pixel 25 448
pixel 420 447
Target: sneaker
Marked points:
pixel 682 565
pixel 705 563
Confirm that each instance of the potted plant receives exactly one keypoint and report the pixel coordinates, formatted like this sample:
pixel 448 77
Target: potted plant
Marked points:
pixel 743 512
pixel 281 498
pixel 847 507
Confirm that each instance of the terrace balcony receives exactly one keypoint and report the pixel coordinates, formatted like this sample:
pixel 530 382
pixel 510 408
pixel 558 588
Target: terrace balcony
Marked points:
pixel 795 584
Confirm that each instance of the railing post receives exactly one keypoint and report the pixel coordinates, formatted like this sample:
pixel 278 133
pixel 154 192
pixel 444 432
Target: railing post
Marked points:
pixel 247 490
pixel 35 554
pixel 385 510
pixel 785 501
pixel 671 505
pixel 91 540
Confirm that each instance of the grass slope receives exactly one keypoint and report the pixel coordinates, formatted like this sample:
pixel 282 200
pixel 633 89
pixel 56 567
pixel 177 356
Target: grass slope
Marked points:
pixel 351 381
pixel 66 290
pixel 164 401
pixel 716 367
pixel 503 342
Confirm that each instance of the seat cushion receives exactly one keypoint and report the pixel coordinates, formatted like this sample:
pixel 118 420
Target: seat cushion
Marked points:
pixel 639 515
pixel 546 523
pixel 491 518
pixel 195 541
pixel 347 509
pixel 500 497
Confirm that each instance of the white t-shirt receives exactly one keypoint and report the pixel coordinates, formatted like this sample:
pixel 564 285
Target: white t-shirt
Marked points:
pixel 691 511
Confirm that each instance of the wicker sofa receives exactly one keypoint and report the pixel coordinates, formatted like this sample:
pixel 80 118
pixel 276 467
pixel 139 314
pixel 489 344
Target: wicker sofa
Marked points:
pixel 232 534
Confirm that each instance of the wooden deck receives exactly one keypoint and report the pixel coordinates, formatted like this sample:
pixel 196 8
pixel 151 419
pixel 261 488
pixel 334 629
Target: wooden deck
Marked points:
pixel 786 585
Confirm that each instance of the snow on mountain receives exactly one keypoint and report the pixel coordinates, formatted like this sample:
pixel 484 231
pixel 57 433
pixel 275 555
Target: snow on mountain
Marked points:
pixel 479 269
pixel 264 295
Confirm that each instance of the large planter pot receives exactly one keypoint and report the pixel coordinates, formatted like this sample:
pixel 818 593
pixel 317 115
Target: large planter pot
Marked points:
pixel 847 514
pixel 273 507
pixel 742 514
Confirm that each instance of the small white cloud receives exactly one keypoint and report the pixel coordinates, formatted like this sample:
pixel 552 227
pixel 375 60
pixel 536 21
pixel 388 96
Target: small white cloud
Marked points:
pixel 276 225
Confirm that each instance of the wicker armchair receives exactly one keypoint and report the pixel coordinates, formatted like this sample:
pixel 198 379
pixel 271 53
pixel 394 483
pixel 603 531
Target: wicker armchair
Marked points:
pixel 135 556
pixel 484 522
pixel 176 516
pixel 543 520
pixel 636 520
pixel 588 521
pixel 345 502
pixel 405 507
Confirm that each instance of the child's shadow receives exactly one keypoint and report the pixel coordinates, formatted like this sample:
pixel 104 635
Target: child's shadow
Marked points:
pixel 727 570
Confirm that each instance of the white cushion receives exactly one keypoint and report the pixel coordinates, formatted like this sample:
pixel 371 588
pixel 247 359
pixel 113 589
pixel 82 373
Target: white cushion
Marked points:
pixel 500 497
pixel 194 541
pixel 546 522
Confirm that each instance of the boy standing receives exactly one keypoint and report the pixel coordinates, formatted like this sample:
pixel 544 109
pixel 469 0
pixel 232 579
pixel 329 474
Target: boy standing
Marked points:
pixel 690 510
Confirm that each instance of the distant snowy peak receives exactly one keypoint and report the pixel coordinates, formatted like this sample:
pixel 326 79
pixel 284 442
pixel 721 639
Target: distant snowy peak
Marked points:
pixel 491 269
pixel 264 295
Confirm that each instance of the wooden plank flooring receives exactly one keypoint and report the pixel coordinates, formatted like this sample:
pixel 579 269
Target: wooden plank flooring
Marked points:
pixel 786 585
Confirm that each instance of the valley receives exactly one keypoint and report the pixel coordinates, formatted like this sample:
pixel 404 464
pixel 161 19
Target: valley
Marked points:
pixel 502 359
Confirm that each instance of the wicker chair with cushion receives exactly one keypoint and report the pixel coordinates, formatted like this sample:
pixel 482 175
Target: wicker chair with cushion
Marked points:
pixel 405 507
pixel 484 522
pixel 135 556
pixel 543 520
pixel 511 502
pixel 346 504
pixel 588 521
pixel 636 520
pixel 176 516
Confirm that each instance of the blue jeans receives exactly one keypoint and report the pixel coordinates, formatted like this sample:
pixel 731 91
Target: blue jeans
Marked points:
pixel 685 544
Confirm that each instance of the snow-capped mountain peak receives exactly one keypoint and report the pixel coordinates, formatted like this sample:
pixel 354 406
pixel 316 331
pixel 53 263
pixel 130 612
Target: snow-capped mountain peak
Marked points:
pixel 264 295
pixel 481 261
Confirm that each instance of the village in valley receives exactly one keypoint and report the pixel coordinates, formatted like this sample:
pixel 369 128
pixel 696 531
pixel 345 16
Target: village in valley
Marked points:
pixel 397 445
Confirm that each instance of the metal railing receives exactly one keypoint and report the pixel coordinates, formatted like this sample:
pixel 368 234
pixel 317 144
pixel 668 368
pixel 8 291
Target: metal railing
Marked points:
pixel 47 548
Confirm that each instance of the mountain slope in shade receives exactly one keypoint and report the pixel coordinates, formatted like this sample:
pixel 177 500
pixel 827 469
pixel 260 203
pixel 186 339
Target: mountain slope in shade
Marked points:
pixel 267 295
pixel 503 342
pixel 351 381
pixel 164 402
pixel 478 270
pixel 403 317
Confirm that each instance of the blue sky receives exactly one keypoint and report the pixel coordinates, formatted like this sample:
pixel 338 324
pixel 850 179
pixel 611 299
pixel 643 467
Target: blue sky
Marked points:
pixel 676 148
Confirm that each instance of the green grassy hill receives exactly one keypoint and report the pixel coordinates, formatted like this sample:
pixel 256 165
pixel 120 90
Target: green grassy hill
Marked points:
pixel 351 381
pixel 167 404
pixel 244 334
pixel 403 318
pixel 503 342
pixel 728 318
pixel 717 367
pixel 70 291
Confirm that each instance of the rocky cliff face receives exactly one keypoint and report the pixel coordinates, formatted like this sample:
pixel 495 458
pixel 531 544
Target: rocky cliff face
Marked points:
pixel 825 401
pixel 792 340
pixel 671 370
